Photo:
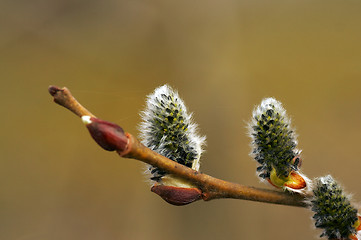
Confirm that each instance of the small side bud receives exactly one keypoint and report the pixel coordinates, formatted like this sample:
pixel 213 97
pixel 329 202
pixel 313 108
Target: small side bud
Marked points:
pixel 108 135
pixel 295 181
pixel 177 195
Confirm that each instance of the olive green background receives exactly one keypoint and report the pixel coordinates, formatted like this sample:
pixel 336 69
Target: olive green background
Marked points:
pixel 222 56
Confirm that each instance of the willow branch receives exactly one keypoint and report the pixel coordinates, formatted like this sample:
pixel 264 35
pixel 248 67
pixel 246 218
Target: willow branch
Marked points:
pixel 63 97
pixel 210 187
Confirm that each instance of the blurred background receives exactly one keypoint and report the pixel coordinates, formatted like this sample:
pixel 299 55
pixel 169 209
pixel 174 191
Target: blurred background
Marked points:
pixel 222 56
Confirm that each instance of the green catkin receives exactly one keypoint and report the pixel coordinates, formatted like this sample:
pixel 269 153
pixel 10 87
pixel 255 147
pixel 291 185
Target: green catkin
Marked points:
pixel 167 128
pixel 274 142
pixel 333 211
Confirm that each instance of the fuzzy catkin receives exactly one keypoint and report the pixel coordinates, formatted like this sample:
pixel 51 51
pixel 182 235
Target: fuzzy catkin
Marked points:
pixel 333 211
pixel 274 141
pixel 168 129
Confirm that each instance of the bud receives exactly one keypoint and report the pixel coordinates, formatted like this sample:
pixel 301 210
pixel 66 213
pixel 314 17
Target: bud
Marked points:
pixel 294 181
pixel 274 146
pixel 333 210
pixel 176 195
pixel 108 135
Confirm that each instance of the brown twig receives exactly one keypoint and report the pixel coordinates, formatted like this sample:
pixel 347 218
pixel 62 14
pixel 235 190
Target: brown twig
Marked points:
pixel 63 97
pixel 211 188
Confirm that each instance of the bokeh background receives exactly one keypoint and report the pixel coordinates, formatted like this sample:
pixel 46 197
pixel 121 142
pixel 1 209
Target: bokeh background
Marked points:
pixel 222 56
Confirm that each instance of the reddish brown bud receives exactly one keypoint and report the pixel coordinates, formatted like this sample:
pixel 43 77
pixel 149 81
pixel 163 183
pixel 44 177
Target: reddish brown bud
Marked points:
pixel 53 90
pixel 177 195
pixel 108 135
pixel 296 181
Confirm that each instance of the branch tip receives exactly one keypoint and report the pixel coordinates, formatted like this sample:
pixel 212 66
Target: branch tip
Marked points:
pixel 63 97
pixel 53 90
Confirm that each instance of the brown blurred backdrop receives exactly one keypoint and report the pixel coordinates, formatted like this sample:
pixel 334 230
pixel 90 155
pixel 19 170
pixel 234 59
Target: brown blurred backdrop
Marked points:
pixel 222 56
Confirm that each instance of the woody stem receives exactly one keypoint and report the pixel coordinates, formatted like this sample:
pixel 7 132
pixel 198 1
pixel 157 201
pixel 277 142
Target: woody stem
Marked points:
pixel 212 188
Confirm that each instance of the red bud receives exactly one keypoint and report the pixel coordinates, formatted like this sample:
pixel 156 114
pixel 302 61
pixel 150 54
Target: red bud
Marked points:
pixel 108 135
pixel 177 195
